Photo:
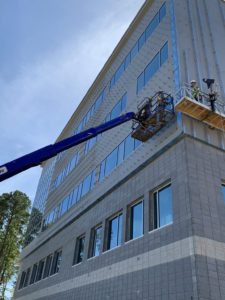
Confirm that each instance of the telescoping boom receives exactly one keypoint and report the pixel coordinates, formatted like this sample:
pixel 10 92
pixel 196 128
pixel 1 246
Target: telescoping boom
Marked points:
pixel 152 115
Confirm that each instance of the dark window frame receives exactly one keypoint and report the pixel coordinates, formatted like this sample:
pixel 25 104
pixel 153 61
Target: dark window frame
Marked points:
pixel 119 217
pixel 77 259
pixel 92 247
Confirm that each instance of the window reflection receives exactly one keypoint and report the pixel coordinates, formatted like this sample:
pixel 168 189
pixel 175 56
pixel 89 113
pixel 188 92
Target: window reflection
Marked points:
pixel 136 229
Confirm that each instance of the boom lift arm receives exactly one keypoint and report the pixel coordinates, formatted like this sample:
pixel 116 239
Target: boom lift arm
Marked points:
pixel 151 117
pixel 37 157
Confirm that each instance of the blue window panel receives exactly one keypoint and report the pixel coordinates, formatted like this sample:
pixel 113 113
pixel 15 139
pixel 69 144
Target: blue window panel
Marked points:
pixel 127 61
pixel 165 206
pixel 73 163
pixel 102 170
pixel 115 232
pixel 85 120
pixel 129 146
pixel 152 68
pixel 223 191
pixel 86 185
pixel 55 214
pixel 134 51
pixel 99 101
pixel 79 192
pixel 120 153
pixel 164 54
pixel 93 178
pixel 112 82
pixel 124 102
pixel 74 196
pixel 136 220
pixel 137 143
pixel 162 12
pixel 116 111
pixel 64 206
pixel 141 41
pixel 152 26
pixel 97 241
pixel 111 162
pixel 88 115
pixel 119 72
pixel 78 157
pixel 140 82
pixel 79 127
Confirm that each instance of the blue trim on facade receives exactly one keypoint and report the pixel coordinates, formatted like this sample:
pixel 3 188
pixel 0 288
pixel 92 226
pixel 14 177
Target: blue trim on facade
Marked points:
pixel 176 66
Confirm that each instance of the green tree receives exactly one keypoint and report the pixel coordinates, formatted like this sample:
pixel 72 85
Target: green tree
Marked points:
pixel 14 215
pixel 34 226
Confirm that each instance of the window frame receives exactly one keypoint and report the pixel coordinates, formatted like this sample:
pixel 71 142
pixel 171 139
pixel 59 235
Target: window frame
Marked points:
pixel 92 247
pixel 54 266
pixel 47 274
pixel 77 261
pixel 117 216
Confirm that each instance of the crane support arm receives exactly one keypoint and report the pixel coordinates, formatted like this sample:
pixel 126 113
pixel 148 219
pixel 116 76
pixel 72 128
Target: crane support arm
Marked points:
pixel 37 157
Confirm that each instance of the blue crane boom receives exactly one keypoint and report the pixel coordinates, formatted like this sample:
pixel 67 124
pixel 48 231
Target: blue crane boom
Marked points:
pixel 37 157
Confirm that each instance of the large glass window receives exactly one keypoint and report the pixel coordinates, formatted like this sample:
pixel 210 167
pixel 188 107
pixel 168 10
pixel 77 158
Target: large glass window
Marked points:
pixel 40 270
pixel 56 262
pixel 96 241
pixel 48 265
pixel 22 279
pixel 86 185
pixel 116 111
pixel 119 72
pixel 163 213
pixel 124 102
pixel 33 275
pixel 152 26
pixel 136 218
pixel 164 53
pixel 102 170
pixel 27 277
pixel 140 82
pixel 162 12
pixel 115 232
pixel 134 51
pixel 152 68
pixel 141 41
pixel 79 250
pixel 111 162
pixel 129 146
pixel 64 206
pixel 120 153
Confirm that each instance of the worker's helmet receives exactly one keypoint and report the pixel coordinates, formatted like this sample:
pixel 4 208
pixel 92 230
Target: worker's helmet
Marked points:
pixel 193 81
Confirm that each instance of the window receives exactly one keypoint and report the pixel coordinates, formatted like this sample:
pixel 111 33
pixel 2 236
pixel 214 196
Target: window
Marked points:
pixel 136 220
pixel 164 54
pixel 123 102
pixel 48 265
pixel 129 146
pixel 134 51
pixel 223 191
pixel 33 275
pixel 111 162
pixel 79 192
pixel 161 208
pixel 22 278
pixel 64 206
pixel 140 82
pixel 116 111
pixel 152 26
pixel 120 153
pixel 86 185
pixel 56 262
pixel 115 232
pixel 162 12
pixel 141 41
pixel 127 60
pixel 96 241
pixel 102 170
pixel 152 68
pixel 79 250
pixel 119 72
pixel 27 277
pixel 40 270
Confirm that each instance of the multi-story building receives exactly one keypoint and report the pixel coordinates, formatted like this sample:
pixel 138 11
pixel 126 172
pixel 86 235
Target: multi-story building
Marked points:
pixel 123 219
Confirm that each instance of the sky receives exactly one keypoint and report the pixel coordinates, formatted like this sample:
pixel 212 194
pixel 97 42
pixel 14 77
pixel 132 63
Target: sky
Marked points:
pixel 51 51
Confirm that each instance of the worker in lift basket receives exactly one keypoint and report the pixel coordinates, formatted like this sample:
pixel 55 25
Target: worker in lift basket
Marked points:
pixel 196 93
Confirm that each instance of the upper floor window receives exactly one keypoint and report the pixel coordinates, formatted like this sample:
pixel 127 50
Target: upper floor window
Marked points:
pixel 56 262
pixel 22 279
pixel 79 250
pixel 96 241
pixel 40 270
pixel 161 212
pixel 136 220
pixel 27 277
pixel 48 265
pixel 115 232
pixel 33 275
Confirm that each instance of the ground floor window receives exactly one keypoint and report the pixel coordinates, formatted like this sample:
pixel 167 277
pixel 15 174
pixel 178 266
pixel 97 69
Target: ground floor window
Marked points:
pixel 79 250
pixel 136 220
pixel 56 262
pixel 115 231
pixel 96 241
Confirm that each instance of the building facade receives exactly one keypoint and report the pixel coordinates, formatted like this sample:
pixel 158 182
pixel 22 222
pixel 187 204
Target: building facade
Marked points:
pixel 121 219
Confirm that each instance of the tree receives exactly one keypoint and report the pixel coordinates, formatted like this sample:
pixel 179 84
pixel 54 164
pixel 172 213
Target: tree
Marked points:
pixel 14 215
pixel 34 226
